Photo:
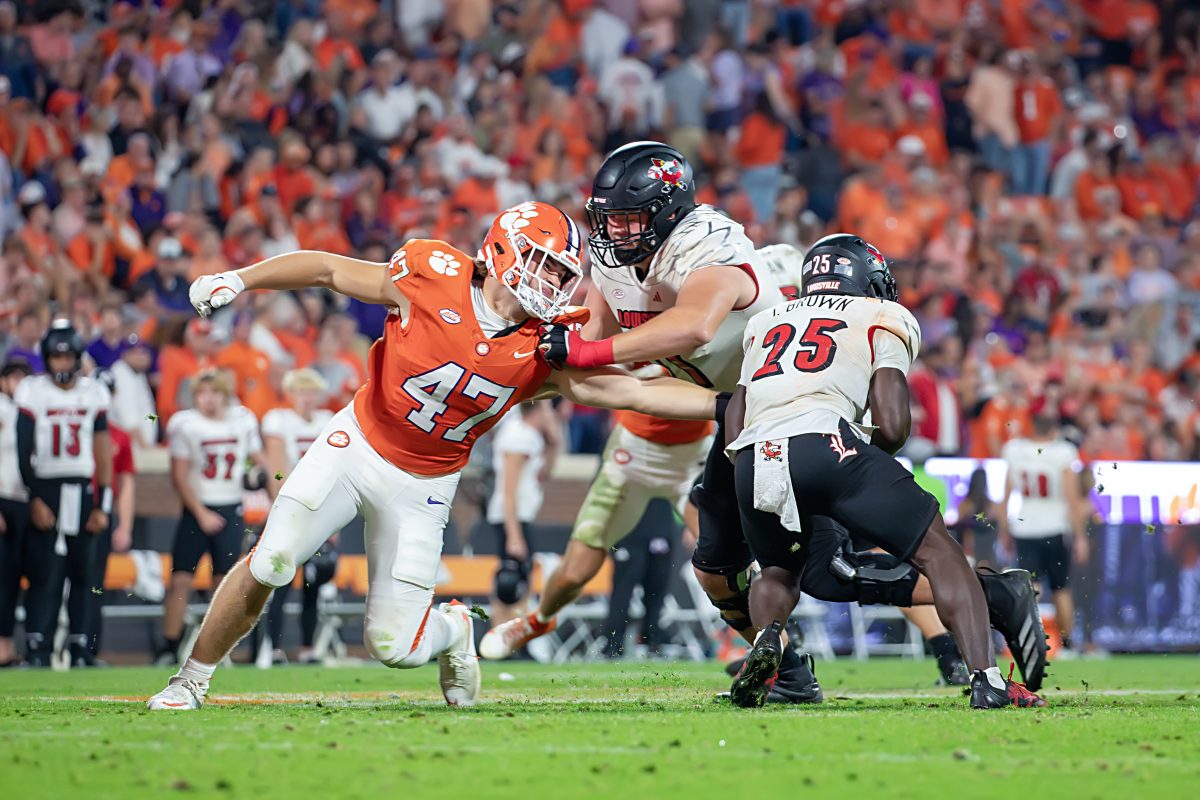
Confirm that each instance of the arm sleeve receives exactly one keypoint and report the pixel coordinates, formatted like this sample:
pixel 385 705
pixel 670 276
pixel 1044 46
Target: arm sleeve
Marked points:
pixel 25 439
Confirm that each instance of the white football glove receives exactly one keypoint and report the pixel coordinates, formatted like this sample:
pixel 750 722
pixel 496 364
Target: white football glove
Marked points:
pixel 210 292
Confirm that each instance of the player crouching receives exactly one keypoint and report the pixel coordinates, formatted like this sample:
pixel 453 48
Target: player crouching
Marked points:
pixel 800 448
pixel 458 351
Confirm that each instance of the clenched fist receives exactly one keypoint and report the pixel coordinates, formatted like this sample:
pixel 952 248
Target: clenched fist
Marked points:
pixel 210 292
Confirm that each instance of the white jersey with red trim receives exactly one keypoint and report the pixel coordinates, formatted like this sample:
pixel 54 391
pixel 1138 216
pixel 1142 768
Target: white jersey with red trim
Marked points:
pixel 1037 471
pixel 809 363
pixel 65 422
pixel 296 433
pixel 216 450
pixel 786 265
pixel 704 238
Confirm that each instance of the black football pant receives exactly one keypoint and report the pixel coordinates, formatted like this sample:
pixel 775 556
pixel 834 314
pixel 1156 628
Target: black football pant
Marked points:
pixel 14 557
pixel 49 569
pixel 642 558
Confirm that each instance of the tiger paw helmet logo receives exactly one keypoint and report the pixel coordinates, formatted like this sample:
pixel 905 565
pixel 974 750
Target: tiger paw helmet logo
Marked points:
pixel 771 451
pixel 667 170
pixel 518 217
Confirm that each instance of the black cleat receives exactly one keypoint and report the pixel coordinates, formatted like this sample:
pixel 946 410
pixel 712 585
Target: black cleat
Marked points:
pixel 1013 609
pixel 756 678
pixel 984 695
pixel 954 673
pixel 796 681
pixel 735 666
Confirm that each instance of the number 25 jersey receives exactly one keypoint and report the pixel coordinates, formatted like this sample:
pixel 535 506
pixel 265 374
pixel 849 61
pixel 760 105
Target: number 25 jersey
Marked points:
pixel 809 363
pixel 436 381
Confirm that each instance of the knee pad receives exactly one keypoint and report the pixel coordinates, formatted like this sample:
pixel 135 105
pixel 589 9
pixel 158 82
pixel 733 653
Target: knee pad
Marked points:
pixel 272 568
pixel 511 581
pixel 879 578
pixel 735 610
pixel 389 646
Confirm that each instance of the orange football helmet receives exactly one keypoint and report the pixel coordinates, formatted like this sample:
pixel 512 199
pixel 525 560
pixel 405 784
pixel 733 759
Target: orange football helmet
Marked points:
pixel 533 249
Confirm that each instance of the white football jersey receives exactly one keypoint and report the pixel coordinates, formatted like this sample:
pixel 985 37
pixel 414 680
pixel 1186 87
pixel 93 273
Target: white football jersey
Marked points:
pixel 705 238
pixel 809 363
pixel 11 485
pixel 64 424
pixel 1036 469
pixel 297 435
pixel 786 265
pixel 216 450
pixel 515 435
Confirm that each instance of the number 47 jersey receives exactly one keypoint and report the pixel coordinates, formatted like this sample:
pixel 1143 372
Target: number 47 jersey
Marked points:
pixel 809 363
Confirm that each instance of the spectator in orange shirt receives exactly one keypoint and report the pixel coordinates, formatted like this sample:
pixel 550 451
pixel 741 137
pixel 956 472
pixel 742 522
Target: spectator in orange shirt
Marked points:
pixel 1006 416
pixel 926 126
pixel 759 151
pixel 861 196
pixel 250 367
pixel 178 363
pixel 1139 189
pixel 866 140
pixel 1165 164
pixel 1093 185
pixel 1039 112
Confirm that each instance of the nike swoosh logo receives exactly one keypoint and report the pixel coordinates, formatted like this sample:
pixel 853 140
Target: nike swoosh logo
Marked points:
pixel 519 354
pixel 433 502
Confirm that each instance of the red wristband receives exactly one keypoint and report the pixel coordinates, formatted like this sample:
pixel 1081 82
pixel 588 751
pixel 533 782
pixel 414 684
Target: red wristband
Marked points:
pixel 589 355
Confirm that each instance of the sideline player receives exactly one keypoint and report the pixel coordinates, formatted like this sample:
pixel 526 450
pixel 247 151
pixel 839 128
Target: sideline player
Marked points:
pixel 210 446
pixel 813 367
pixel 62 445
pixel 458 351
pixel 287 433
pixel 1045 470
pixel 14 511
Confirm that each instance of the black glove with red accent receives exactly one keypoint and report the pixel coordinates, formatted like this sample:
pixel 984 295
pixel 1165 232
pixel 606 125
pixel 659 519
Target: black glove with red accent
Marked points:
pixel 562 347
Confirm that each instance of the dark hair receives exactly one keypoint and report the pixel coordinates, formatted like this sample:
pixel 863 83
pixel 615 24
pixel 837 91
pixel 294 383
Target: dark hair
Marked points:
pixel 977 489
pixel 14 366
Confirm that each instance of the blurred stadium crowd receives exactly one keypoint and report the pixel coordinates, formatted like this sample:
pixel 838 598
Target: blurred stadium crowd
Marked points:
pixel 1029 166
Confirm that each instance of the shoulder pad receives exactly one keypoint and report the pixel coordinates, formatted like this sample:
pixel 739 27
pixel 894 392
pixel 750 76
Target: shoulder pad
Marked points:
pixel 428 257
pixel 898 320
pixel 574 317
pixel 704 238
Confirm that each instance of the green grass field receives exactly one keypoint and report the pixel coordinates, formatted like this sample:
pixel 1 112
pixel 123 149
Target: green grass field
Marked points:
pixel 1125 727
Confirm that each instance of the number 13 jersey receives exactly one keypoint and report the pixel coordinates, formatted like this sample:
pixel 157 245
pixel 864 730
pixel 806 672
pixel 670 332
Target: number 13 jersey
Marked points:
pixel 809 363
pixel 436 381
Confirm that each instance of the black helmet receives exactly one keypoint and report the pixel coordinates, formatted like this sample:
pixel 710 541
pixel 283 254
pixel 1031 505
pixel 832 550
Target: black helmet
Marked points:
pixel 645 187
pixel 62 338
pixel 847 264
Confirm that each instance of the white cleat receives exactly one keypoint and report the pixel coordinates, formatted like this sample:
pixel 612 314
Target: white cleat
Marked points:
pixel 181 694
pixel 458 667
pixel 507 638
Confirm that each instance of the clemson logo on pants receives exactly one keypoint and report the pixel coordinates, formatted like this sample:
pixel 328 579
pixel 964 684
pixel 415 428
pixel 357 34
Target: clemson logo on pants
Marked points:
pixel 338 439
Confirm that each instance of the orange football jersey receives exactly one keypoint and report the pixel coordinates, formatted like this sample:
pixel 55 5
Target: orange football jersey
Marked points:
pixel 437 382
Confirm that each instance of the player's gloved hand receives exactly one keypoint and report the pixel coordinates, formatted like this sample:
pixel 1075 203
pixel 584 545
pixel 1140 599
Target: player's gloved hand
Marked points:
pixel 562 347
pixel 210 292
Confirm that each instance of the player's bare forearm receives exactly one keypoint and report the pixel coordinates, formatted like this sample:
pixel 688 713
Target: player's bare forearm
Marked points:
pixel 659 397
pixel 601 324
pixel 125 499
pixel 890 409
pixel 183 488
pixel 261 461
pixel 704 301
pixel 367 281
pixel 102 450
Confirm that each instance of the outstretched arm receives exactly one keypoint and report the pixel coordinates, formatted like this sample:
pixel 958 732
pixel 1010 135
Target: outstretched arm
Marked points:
pixel 704 301
pixel 367 281
pixel 660 397
pixel 890 409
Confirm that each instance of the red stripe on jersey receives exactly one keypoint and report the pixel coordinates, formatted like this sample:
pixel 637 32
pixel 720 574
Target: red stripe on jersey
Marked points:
pixel 749 270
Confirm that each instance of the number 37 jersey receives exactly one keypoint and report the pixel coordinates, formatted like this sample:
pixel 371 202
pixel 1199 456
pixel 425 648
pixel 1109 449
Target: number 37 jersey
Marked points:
pixel 809 363
pixel 216 451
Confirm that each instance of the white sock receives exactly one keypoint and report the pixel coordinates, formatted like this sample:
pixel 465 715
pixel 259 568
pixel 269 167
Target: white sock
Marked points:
pixel 995 678
pixel 441 631
pixel 197 671
pixel 542 618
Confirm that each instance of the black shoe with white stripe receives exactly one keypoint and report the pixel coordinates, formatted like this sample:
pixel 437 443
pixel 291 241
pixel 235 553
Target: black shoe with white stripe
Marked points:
pixel 1013 609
